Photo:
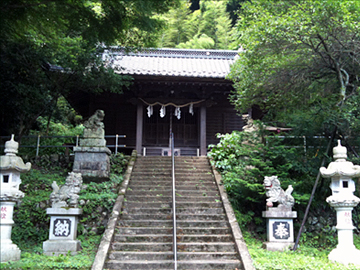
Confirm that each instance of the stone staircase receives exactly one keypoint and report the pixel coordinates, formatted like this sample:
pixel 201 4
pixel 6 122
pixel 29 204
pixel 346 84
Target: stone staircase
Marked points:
pixel 143 237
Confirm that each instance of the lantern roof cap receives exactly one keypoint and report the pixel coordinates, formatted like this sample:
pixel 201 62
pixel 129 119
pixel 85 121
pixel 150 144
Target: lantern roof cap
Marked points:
pixel 10 161
pixel 339 151
pixel 340 167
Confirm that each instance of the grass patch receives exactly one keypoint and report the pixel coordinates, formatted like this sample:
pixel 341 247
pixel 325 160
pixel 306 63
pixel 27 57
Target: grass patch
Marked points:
pixel 304 258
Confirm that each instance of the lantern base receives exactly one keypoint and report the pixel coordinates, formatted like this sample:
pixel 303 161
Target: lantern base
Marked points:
pixel 9 252
pixel 345 255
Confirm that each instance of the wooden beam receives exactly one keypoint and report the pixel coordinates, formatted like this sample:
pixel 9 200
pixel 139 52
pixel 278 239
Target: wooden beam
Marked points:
pixel 139 127
pixel 203 145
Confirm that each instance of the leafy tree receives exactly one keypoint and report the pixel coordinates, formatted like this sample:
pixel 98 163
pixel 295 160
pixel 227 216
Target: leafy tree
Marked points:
pixel 300 58
pixel 177 26
pixel 201 42
pixel 51 48
pixel 206 28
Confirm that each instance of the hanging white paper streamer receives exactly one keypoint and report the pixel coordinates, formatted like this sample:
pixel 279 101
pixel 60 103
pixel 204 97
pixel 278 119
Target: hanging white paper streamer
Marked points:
pixel 177 113
pixel 150 110
pixel 162 111
pixel 191 109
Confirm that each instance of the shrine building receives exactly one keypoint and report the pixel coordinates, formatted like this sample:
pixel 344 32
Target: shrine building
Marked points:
pixel 184 90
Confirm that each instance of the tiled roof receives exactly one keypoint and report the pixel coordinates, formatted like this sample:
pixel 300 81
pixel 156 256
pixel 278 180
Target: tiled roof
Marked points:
pixel 173 62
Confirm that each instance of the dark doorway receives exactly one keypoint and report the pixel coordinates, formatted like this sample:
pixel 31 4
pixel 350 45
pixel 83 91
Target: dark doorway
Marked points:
pixel 185 129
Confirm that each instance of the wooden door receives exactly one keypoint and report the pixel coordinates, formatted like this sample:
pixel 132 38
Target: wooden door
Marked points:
pixel 156 129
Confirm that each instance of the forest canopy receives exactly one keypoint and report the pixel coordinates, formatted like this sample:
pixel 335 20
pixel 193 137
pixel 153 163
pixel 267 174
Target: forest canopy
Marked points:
pixel 301 63
pixel 49 48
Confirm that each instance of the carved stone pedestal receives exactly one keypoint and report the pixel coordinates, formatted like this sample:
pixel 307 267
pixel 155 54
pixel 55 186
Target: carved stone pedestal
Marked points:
pixel 280 229
pixel 63 231
pixel 92 162
pixel 92 158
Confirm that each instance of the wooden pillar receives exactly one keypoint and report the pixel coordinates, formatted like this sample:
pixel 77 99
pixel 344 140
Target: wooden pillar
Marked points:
pixel 203 131
pixel 139 127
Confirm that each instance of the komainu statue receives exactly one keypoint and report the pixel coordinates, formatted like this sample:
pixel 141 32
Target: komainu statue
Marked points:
pixel 277 194
pixel 67 195
pixel 94 127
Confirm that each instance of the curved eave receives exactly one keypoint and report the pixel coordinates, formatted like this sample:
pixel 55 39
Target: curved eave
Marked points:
pixel 16 163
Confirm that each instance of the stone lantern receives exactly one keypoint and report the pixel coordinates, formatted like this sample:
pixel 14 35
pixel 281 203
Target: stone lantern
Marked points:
pixel 10 168
pixel 343 200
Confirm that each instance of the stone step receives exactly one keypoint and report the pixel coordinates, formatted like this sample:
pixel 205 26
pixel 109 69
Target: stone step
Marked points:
pixel 185 182
pixel 141 255
pixel 167 211
pixel 144 230
pixel 143 238
pixel 189 217
pixel 169 255
pixel 163 198
pixel 152 174
pixel 168 159
pixel 139 264
pixel 198 238
pixel 192 168
pixel 193 177
pixel 167 173
pixel 167 246
pixel 169 230
pixel 131 204
pixel 168 182
pixel 168 192
pixel 146 216
pixel 143 187
pixel 209 264
pixel 168 223
pixel 142 246
pixel 202 230
pixel 168 264
pixel 206 247
pixel 167 166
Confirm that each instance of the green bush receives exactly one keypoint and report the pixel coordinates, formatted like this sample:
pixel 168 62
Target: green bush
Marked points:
pixel 63 134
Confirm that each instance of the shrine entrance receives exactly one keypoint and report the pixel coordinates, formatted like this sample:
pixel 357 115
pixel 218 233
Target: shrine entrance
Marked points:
pixel 157 129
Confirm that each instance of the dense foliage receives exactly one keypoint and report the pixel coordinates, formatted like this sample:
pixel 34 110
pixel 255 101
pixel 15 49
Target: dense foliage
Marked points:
pixel 301 63
pixel 209 27
pixel 51 48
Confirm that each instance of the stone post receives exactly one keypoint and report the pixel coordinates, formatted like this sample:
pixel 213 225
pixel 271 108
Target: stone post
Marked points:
pixel 64 217
pixel 343 200
pixel 279 224
pixel 10 168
